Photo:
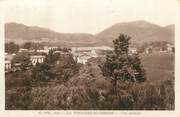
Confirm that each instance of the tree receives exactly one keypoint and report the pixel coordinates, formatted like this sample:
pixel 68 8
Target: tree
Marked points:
pixel 11 47
pixel 119 65
pixel 27 45
pixel 30 45
pixel 59 66
pixel 142 47
pixel 65 66
pixel 51 57
pixel 41 72
pixel 23 59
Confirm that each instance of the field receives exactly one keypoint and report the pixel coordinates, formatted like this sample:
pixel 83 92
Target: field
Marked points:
pixel 158 66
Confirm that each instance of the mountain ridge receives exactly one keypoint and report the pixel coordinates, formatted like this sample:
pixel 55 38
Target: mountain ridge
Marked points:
pixel 140 31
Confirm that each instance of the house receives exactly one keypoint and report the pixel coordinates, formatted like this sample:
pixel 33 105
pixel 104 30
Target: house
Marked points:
pixel 74 49
pixel 9 56
pixel 17 66
pixel 23 50
pixel 50 48
pixel 7 65
pixel 132 51
pixel 37 59
pixel 148 50
pixel 8 59
pixel 43 51
pixel 82 54
pixel 83 58
pixel 170 48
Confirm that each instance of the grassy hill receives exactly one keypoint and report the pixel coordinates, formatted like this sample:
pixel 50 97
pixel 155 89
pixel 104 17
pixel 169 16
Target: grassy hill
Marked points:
pixel 21 33
pixel 140 31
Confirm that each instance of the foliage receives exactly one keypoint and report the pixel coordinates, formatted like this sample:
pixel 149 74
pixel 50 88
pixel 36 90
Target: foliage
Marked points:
pixel 51 58
pixel 31 45
pixel 119 65
pixel 22 58
pixel 159 45
pixel 11 47
pixel 65 66
pixel 90 90
pixel 41 73
pixel 18 99
pixel 147 96
pixel 89 87
pixel 18 79
pixel 18 89
pixel 59 66
pixel 154 96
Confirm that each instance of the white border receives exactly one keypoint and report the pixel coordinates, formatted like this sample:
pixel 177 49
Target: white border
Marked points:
pixel 29 113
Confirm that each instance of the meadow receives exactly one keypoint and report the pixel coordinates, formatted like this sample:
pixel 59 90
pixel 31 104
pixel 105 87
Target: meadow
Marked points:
pixel 158 66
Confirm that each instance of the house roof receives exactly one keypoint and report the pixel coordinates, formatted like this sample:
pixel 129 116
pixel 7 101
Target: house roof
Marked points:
pixel 37 56
pixel 92 48
pixel 9 56
pixel 7 61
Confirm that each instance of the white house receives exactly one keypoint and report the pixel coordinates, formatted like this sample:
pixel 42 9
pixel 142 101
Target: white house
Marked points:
pixel 83 58
pixel 132 51
pixel 82 54
pixel 43 51
pixel 37 59
pixel 7 65
pixel 169 48
pixel 74 49
pixel 9 56
pixel 148 50
pixel 23 50
pixel 50 47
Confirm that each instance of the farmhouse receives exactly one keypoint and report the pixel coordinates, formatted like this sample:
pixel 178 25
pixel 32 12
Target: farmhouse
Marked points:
pixel 37 59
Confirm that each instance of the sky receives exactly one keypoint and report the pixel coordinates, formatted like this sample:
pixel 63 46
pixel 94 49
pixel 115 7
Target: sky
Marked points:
pixel 87 16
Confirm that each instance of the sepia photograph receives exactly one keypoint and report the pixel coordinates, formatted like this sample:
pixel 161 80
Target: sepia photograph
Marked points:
pixel 89 54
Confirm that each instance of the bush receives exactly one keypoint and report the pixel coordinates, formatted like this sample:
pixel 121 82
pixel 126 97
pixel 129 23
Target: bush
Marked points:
pixel 11 47
pixel 159 96
pixel 18 99
pixel 93 93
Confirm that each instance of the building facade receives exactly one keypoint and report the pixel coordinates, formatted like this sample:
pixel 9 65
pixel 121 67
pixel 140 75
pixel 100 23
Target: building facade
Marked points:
pixel 37 59
pixel 82 54
pixel 7 65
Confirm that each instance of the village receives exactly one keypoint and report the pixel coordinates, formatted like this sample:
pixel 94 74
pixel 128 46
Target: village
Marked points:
pixel 80 54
